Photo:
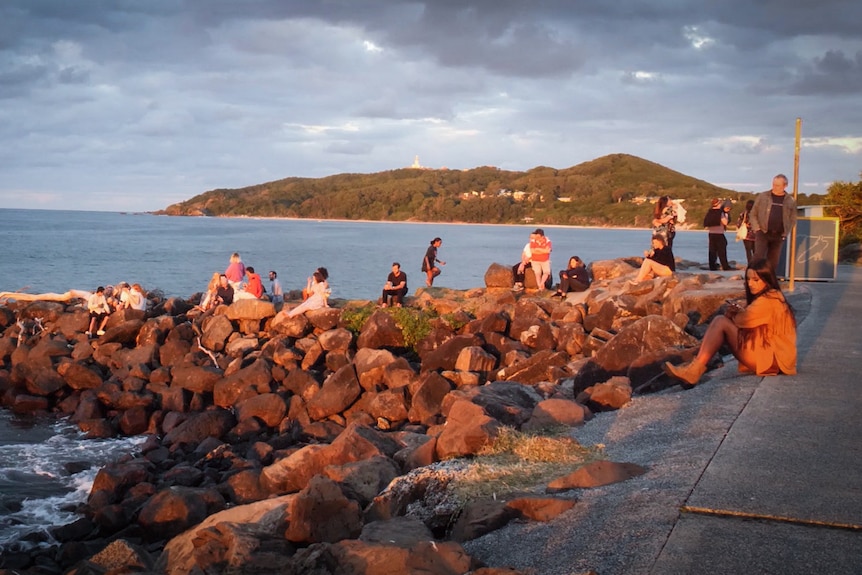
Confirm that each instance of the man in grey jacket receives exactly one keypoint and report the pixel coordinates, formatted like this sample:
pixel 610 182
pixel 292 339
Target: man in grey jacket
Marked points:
pixel 772 219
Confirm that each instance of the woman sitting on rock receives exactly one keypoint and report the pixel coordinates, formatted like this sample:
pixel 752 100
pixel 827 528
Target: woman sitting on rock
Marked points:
pixel 762 336
pixel 574 278
pixel 659 261
pixel 318 289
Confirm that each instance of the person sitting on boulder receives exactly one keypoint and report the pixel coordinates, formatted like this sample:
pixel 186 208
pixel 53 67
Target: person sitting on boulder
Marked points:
pixel 762 335
pixel 574 278
pixel 251 290
pixel 659 261
pixel 99 310
pixel 224 293
pixel 318 293
pixel 395 288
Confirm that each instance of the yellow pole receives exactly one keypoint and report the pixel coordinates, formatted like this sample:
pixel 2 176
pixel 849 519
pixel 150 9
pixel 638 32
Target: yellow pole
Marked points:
pixel 792 251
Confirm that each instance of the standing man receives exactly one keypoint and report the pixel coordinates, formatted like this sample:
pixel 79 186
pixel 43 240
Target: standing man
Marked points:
pixel 715 221
pixel 772 218
pixel 275 288
pixel 540 251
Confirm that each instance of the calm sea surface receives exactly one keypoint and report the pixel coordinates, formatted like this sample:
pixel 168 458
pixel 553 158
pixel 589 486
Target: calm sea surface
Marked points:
pixel 53 251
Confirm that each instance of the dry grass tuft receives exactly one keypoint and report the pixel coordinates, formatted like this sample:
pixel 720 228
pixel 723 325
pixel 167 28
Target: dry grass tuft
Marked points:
pixel 519 462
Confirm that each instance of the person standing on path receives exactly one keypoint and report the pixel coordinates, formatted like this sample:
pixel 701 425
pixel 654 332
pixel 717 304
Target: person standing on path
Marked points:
pixel 429 263
pixel 772 218
pixel 715 221
pixel 748 240
pixel 540 253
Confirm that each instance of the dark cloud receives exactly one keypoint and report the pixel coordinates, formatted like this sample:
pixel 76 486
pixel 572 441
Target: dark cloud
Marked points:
pixel 182 97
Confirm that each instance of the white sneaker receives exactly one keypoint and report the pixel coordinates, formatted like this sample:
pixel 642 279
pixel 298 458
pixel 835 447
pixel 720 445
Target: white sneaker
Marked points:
pixel 89 333
pixel 100 332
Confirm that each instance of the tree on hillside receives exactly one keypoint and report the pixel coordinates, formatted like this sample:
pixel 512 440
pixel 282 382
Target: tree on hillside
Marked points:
pixel 845 200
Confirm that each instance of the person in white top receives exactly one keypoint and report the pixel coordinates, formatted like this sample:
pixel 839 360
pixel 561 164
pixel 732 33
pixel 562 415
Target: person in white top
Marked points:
pixel 99 310
pixel 137 298
pixel 275 290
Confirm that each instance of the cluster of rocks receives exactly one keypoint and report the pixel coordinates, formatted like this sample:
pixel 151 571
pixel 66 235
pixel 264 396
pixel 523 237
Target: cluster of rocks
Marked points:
pixel 295 445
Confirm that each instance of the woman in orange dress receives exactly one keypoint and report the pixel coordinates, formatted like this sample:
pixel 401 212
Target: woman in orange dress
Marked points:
pixel 762 335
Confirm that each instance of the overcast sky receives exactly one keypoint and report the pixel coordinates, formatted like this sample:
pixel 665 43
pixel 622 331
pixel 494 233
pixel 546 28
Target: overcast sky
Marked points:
pixel 135 105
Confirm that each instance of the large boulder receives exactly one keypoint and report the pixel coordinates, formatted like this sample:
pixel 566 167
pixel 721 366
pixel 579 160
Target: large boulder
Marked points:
pixel 468 429
pixel 200 426
pixel 247 382
pixel 380 331
pixel 499 276
pixel 338 392
pixel 321 513
pixel 645 335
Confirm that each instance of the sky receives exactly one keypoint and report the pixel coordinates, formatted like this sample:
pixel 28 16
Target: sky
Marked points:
pixel 121 105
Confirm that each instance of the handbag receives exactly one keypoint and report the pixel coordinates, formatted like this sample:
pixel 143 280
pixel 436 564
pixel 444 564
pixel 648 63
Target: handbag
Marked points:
pixel 741 231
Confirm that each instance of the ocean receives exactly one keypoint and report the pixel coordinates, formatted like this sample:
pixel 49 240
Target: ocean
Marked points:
pixel 46 468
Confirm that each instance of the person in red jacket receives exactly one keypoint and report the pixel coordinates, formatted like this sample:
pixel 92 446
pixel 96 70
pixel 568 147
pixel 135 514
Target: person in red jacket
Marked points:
pixel 253 289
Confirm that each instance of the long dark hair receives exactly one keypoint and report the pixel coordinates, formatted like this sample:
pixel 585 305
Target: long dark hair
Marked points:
pixel 660 205
pixel 765 272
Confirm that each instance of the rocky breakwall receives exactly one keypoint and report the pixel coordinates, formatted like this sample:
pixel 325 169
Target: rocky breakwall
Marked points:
pixel 280 444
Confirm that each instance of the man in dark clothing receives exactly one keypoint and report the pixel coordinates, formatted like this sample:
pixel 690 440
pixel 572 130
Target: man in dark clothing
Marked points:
pixel 772 218
pixel 224 293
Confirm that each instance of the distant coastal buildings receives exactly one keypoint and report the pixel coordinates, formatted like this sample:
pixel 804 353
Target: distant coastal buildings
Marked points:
pixel 417 166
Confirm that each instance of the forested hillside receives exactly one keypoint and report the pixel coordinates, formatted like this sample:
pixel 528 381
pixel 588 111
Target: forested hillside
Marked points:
pixel 607 191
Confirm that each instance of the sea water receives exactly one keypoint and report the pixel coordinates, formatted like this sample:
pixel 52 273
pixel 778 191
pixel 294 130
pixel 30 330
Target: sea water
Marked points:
pixel 47 468
pixel 54 251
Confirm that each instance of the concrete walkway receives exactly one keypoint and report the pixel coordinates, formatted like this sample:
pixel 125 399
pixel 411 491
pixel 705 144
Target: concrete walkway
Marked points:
pixel 746 474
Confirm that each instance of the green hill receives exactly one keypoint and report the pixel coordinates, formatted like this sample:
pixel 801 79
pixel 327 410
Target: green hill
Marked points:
pixel 614 190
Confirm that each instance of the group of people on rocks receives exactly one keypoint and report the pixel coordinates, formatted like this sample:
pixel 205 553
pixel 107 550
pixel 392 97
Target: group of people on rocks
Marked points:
pixel 536 257
pixel 229 286
pixel 761 334
pixel 106 300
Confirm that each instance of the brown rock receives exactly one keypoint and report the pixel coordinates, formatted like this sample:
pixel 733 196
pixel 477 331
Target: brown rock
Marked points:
pixel 428 398
pixel 363 480
pixel 195 378
pixel 445 356
pixel 380 331
pixel 596 474
pixel 338 339
pixel 535 369
pixel 216 330
pixel 250 309
pixel 467 431
pixel 199 426
pixel 610 395
pixel 269 408
pixel 172 511
pixel 474 358
pixel 78 376
pixel 338 392
pixel 247 382
pixel 321 513
pixel 645 335
pixel 556 412
pixel 499 276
